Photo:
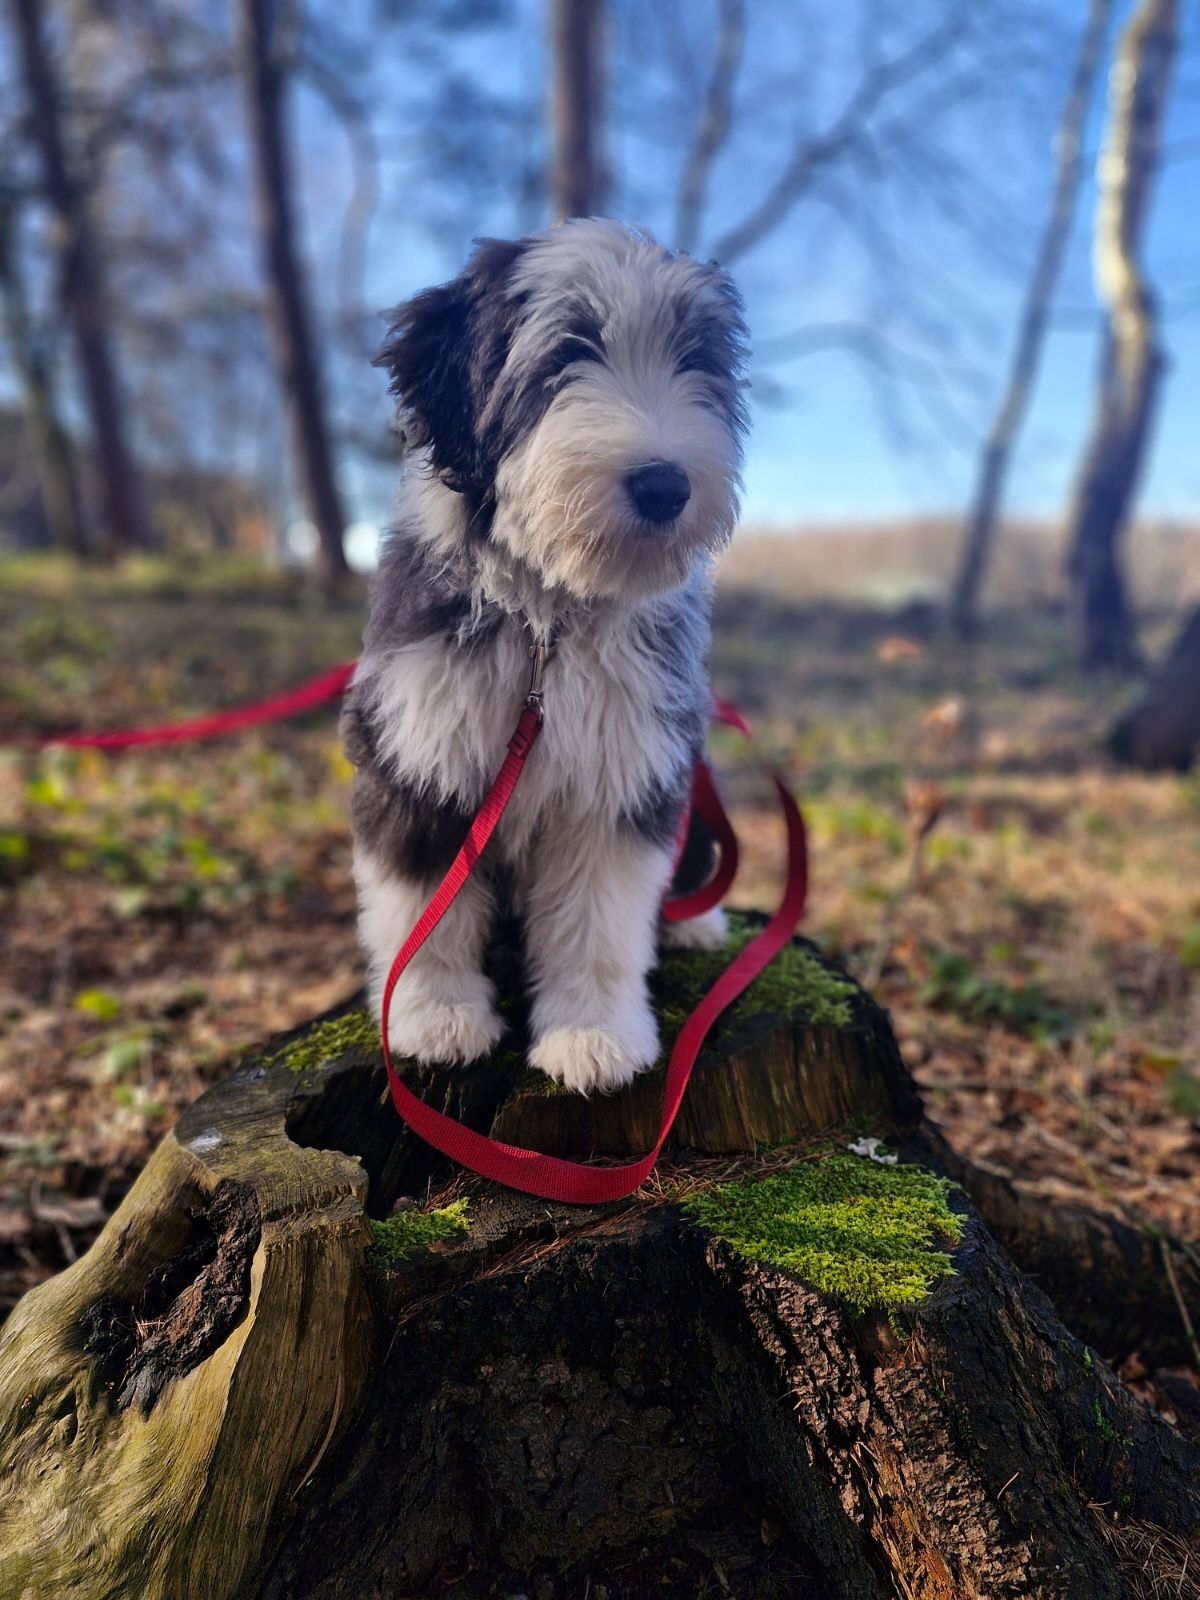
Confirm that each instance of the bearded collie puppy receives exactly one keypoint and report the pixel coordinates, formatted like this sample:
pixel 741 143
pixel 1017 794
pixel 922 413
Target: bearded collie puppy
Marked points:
pixel 573 410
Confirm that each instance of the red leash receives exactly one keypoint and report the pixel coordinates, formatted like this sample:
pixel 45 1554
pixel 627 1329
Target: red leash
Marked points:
pixel 550 1177
pixel 293 703
pixel 547 1176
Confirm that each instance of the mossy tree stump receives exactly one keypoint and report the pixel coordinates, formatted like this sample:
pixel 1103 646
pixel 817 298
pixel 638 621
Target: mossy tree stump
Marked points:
pixel 780 1370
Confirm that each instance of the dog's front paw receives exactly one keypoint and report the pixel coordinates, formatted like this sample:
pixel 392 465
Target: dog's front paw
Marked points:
pixel 587 1059
pixel 705 932
pixel 443 1033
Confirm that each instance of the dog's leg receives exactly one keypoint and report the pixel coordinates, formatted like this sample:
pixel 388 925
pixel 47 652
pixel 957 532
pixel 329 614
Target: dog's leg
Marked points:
pixel 592 908
pixel 442 1009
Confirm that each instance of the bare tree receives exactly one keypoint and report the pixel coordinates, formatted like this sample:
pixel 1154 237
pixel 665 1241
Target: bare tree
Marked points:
pixel 81 285
pixel 264 80
pixel 997 450
pixel 1133 361
pixel 49 446
pixel 576 96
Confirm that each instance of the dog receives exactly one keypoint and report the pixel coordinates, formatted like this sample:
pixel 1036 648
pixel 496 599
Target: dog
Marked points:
pixel 573 410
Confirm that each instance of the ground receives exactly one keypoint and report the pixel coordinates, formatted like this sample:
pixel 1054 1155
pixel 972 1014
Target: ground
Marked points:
pixel 1030 914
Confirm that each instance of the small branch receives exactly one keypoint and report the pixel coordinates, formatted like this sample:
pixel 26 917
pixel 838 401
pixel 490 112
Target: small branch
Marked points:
pixel 812 156
pixel 715 122
pixel 364 198
pixel 925 805
pixel 1184 1314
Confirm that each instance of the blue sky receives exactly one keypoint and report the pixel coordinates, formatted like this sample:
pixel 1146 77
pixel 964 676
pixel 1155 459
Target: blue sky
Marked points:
pixel 830 442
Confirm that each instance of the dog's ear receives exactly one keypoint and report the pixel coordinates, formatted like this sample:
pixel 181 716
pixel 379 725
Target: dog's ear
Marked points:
pixel 443 351
pixel 426 355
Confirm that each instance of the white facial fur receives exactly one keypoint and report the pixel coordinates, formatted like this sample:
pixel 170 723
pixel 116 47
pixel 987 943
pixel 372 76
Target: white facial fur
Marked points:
pixel 562 506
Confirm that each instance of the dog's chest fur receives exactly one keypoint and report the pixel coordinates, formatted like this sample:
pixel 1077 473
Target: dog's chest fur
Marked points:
pixel 626 700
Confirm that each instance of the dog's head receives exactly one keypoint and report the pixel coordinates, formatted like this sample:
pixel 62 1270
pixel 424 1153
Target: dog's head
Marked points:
pixel 582 390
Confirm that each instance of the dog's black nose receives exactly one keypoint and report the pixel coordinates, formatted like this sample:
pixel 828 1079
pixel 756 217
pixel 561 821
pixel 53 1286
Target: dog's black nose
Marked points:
pixel 659 491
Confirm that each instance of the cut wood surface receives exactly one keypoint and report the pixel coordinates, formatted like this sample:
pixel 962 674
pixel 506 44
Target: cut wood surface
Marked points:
pixel 304 1359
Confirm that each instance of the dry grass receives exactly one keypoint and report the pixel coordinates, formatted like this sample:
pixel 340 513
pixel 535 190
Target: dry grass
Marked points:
pixel 894 563
pixel 1156 1565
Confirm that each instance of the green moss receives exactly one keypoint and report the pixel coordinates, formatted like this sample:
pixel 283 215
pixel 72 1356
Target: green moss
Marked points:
pixel 410 1231
pixel 328 1040
pixel 1111 1436
pixel 862 1232
pixel 795 980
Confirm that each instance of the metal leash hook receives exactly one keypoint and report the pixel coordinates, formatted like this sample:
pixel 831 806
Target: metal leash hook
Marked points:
pixel 540 652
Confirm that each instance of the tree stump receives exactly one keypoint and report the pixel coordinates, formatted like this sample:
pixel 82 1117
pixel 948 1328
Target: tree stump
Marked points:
pixel 1161 730
pixel 304 1359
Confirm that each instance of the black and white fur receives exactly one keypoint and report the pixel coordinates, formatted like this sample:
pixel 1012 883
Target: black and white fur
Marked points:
pixel 531 388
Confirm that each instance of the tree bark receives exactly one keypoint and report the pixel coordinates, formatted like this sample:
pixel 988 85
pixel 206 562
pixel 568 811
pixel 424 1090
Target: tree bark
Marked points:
pixel 291 323
pixel 576 93
pixel 229 1397
pixel 1161 731
pixel 49 446
pixel 993 466
pixel 81 288
pixel 1133 361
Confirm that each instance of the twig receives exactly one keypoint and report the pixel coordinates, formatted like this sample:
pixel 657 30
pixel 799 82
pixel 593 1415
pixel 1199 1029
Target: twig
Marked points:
pixel 339 1395
pixel 1184 1314
pixel 714 125
pixel 925 813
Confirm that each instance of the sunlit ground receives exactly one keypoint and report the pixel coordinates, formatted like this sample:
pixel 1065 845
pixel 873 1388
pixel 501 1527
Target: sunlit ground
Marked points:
pixel 162 911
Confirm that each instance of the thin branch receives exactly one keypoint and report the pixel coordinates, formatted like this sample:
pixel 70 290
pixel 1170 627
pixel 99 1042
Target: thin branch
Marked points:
pixel 715 122
pixel 812 156
pixel 1184 1315
pixel 364 197
pixel 875 351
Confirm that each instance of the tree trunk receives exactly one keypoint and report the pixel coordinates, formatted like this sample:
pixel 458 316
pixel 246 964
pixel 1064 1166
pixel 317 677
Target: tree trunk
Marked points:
pixel 1162 730
pixel 81 288
pixel 295 350
pixel 993 467
pixel 249 1388
pixel 576 92
pixel 1133 363
pixel 49 446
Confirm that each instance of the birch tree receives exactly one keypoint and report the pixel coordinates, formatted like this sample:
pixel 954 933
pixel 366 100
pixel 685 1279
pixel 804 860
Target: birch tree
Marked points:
pixel 1133 360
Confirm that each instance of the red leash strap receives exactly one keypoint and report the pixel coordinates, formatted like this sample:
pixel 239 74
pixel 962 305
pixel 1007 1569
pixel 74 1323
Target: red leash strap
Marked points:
pixel 550 1177
pixel 306 697
pixel 706 802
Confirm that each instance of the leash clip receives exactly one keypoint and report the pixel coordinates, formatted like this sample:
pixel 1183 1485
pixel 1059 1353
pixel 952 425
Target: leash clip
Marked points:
pixel 540 652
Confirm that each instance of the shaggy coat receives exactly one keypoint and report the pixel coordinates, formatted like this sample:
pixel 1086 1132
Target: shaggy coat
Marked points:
pixel 572 408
